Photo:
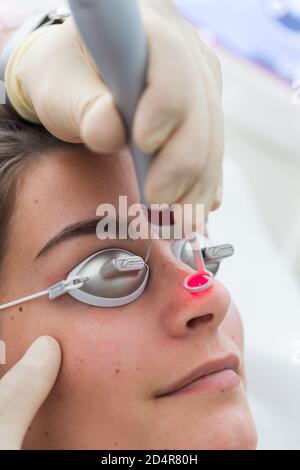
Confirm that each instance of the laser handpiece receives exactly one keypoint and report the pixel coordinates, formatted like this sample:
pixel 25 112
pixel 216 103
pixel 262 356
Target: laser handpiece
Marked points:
pixel 113 33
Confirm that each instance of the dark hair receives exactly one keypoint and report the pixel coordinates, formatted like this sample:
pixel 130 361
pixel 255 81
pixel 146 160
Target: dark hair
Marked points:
pixel 21 144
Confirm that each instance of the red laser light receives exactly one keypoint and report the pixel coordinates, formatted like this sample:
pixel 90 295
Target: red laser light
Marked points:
pixel 198 282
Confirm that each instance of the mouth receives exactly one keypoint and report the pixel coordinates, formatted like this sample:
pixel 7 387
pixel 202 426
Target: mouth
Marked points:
pixel 220 374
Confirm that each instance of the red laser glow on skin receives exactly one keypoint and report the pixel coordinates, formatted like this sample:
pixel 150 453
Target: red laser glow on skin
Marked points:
pixel 199 280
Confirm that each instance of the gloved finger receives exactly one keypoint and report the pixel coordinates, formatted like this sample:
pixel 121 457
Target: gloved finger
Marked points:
pixel 166 101
pixel 25 387
pixel 207 189
pixel 197 203
pixel 219 193
pixel 214 167
pixel 213 62
pixel 179 164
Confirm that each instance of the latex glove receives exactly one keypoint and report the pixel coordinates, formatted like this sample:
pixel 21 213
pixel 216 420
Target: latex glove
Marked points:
pixel 24 388
pixel 179 116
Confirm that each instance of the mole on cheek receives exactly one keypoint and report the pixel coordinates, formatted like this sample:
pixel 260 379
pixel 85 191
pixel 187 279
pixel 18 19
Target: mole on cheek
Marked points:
pixel 20 309
pixel 79 359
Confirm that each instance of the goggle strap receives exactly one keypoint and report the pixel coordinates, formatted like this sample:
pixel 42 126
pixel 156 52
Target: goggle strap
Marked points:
pixel 58 289
pixel 23 299
pixel 65 286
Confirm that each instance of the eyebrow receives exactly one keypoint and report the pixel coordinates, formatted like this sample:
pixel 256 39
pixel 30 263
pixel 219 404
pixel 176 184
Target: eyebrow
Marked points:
pixel 84 227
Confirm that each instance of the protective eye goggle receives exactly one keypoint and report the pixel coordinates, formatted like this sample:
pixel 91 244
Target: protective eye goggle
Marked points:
pixel 116 277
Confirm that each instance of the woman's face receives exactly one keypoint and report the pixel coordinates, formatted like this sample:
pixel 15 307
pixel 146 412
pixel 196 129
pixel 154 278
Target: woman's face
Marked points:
pixel 117 361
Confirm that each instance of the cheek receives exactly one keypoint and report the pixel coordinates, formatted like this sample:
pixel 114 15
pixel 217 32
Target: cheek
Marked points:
pixel 94 348
pixel 105 365
pixel 101 349
pixel 232 327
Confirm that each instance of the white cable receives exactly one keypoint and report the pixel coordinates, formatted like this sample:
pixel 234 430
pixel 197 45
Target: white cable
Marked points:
pixel 24 299
pixel 54 291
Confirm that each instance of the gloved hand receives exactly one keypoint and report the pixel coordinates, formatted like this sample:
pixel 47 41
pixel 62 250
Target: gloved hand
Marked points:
pixel 179 116
pixel 24 388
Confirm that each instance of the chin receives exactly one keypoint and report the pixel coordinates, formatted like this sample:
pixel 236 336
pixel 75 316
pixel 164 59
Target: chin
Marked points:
pixel 226 423
pixel 233 429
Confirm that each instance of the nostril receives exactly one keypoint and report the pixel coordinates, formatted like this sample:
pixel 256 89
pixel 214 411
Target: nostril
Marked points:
pixel 199 320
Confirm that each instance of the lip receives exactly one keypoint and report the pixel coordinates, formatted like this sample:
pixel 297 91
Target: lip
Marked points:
pixel 219 373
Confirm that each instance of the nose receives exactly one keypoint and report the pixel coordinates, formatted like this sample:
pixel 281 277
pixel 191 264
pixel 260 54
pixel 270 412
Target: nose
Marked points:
pixel 181 312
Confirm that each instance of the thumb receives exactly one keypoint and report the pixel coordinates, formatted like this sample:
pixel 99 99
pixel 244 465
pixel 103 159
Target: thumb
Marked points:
pixel 24 388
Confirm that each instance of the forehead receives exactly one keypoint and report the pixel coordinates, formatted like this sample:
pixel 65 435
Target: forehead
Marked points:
pixel 68 181
pixel 76 173
pixel 68 186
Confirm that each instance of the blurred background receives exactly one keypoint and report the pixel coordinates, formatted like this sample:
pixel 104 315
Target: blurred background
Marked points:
pixel 258 43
